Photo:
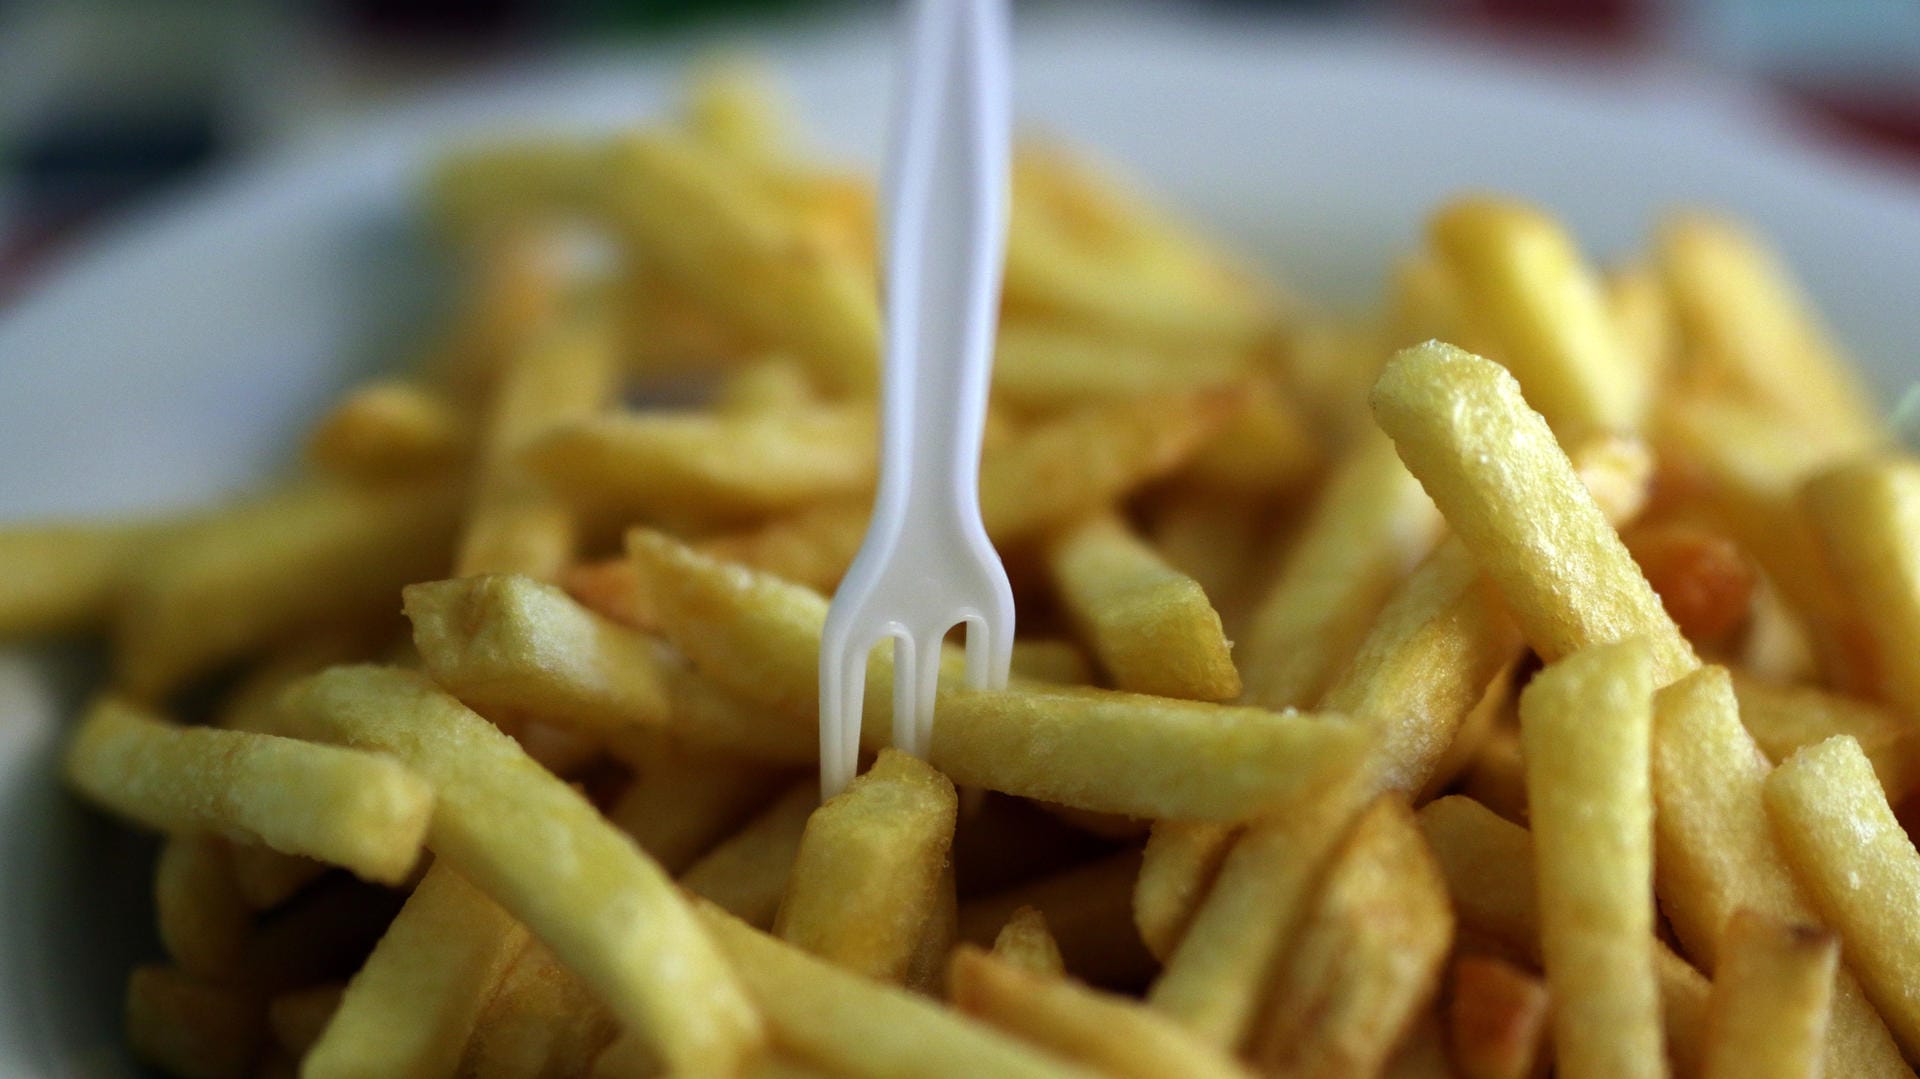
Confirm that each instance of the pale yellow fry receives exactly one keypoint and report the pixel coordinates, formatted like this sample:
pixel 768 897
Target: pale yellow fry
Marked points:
pixel 1179 865
pixel 1217 979
pixel 388 429
pixel 483 192
pixel 1330 363
pixel 707 226
pixel 1220 542
pixel 559 373
pixel 1867 518
pixel 353 809
pixel 1497 777
pixel 1512 496
pixel 204 920
pixel 1491 717
pixel 1102 750
pixel 1496 1019
pixel 1117 1036
pixel 688 799
pixel 545 854
pixel 1784 718
pixel 1150 627
pixel 1585 725
pixel 746 875
pixel 1439 642
pixel 1367 528
pixel 1489 866
pixel 1544 314
pixel 813 546
pixel 1767 1017
pixel 1025 943
pixel 1043 659
pixel 541 1021
pixel 861 1027
pixel 1858 866
pixel 1643 320
pixel 863 884
pixel 774 383
pixel 298 1018
pixel 1366 958
pixel 188 1027
pixel 63 578
pixel 705 466
pixel 1746 324
pixel 1715 853
pixel 1266 450
pixel 927 966
pixel 513 648
pixel 1080 462
pixel 1085 907
pixel 410 1010
pixel 1044 366
pixel 242 578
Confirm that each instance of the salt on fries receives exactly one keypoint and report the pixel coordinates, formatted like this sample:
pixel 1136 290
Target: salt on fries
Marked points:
pixel 1379 675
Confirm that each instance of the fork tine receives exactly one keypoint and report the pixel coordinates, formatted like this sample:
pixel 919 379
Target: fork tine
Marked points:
pixel 843 686
pixel 989 653
pixel 927 673
pixel 906 681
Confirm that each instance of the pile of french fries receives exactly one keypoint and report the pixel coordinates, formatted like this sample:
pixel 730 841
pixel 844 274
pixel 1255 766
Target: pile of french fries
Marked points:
pixel 1538 700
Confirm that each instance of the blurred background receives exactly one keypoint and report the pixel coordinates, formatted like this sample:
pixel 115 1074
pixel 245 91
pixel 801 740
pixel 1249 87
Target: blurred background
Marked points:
pixel 103 101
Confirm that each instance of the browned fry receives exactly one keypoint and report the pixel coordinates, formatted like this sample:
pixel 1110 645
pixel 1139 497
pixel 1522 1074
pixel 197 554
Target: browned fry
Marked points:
pixel 1086 907
pixel 1702 578
pixel 191 1028
pixel 1496 1019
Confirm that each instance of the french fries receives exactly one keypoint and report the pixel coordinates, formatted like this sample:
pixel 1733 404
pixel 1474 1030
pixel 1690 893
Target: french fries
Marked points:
pixel 63 578
pixel 387 430
pixel 1768 1012
pixel 1496 1019
pixel 1177 867
pixel 1025 943
pixel 746 875
pixel 204 919
pixel 193 1028
pixel 1866 517
pixel 1782 719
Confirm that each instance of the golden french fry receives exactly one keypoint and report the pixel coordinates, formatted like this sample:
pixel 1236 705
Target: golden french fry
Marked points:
pixel 1866 516
pixel 1494 715
pixel 1784 718
pixel 609 587
pixel 1489 866
pixel 1102 751
pixel 1181 861
pixel 64 578
pixel 267 878
pixel 1330 363
pixel 733 105
pixel 688 799
pixel 707 226
pixel 1219 542
pixel 1080 462
pixel 927 966
pixel 321 935
pixel 1367 528
pixel 812 547
pixel 204 919
pixel 1702 578
pixel 1366 957
pixel 1149 626
pixel 355 809
pixel 540 1021
pixel 484 192
pixel 746 875
pixel 1496 1019
pixel 411 1009
pixel 1266 450
pixel 863 884
pixel 1544 315
pixel 1743 321
pixel 1043 366
pixel 1857 865
pixel 389 429
pixel 1026 943
pixel 1512 496
pixel 298 1018
pixel 1112 1034
pixel 1585 726
pixel 1497 777
pixel 560 372
pixel 1643 319
pixel 1217 978
pixel 187 1027
pixel 242 578
pixel 546 855
pixel 708 467
pixel 1768 1013
pixel 1042 659
pixel 1086 908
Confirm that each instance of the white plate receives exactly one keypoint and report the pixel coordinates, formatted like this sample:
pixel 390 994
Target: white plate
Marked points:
pixel 174 355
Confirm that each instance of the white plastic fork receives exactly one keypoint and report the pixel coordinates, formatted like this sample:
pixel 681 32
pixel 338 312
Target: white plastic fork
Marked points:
pixel 926 564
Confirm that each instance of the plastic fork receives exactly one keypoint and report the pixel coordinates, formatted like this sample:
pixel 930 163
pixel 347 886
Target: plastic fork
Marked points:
pixel 926 564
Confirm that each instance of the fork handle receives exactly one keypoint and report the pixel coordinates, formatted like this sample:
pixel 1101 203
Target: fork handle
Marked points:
pixel 945 246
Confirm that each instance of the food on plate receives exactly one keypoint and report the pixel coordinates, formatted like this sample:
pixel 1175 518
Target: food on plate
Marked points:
pixel 1387 680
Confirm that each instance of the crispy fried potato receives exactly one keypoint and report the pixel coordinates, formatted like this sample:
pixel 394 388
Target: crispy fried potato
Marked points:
pixel 1086 907
pixel 1496 1019
pixel 411 1009
pixel 1217 540
pixel 1867 519
pixel 1150 627
pixel 1767 1016
pixel 63 578
pixel 1783 718
pixel 863 884
pixel 812 547
pixel 1177 868
pixel 1266 450
pixel 192 1028
pixel 359 810
pixel 1366 957
pixel 389 429
pixel 1859 868
pixel 1116 1036
pixel 687 800
pixel 204 919
pixel 1042 659
pixel 1512 496
pixel 1701 577
pixel 1585 725
pixel 1025 943
pixel 1497 777
pixel 547 856
pixel 541 1021
pixel 746 875
pixel 1043 367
